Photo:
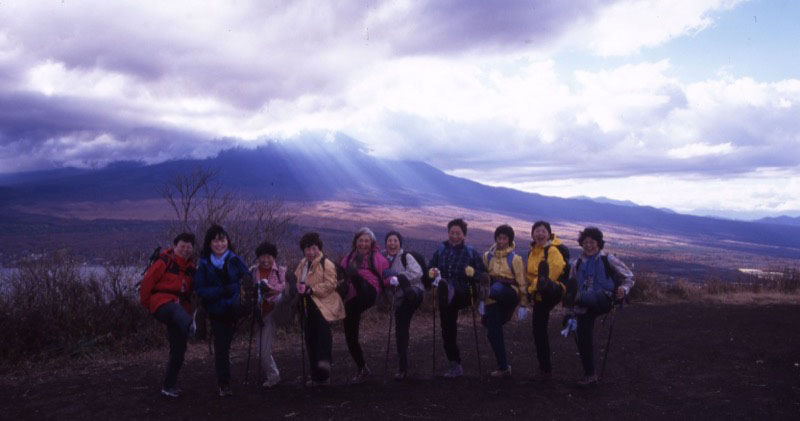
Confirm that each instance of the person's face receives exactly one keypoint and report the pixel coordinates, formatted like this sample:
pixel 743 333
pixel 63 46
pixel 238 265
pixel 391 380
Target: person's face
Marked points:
pixel 393 245
pixel 540 235
pixel 364 244
pixel 501 241
pixel 455 235
pixel 184 249
pixel 219 245
pixel 590 246
pixel 311 252
pixel 266 261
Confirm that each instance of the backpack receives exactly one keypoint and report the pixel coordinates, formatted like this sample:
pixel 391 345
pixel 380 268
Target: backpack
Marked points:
pixel 154 256
pixel 509 258
pixel 564 250
pixel 606 265
pixel 426 280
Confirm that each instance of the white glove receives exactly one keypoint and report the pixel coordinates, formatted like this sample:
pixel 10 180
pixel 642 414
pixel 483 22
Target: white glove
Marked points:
pixel 436 281
pixel 522 313
pixel 481 308
pixel 393 281
pixel 572 325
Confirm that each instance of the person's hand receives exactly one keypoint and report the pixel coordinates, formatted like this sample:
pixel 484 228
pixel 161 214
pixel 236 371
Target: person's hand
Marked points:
pixel 433 273
pixel 469 271
pixel 620 294
pixel 393 281
pixel 522 313
pixel 263 286
pixel 436 280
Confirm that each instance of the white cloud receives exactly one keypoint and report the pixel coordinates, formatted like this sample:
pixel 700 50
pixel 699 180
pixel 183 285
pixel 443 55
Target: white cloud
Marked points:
pixel 627 26
pixel 700 149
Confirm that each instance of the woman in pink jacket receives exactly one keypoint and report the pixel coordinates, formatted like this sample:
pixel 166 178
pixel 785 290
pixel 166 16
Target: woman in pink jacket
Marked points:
pixel 363 268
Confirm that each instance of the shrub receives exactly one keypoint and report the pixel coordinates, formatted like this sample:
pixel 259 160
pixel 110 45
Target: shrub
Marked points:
pixel 679 289
pixel 645 288
pixel 54 306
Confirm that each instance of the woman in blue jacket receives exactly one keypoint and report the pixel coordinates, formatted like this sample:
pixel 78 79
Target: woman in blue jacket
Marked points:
pixel 218 282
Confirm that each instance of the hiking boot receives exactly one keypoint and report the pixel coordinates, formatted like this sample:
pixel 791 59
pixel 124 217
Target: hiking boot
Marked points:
pixel 587 381
pixel 454 371
pixel 400 376
pixel 272 380
pixel 225 390
pixel 361 376
pixel 501 373
pixel 171 392
pixel 315 383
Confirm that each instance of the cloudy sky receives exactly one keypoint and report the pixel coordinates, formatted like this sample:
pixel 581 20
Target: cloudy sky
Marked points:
pixel 688 104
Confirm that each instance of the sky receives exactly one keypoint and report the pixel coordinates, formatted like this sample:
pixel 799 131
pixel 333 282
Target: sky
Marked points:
pixel 692 105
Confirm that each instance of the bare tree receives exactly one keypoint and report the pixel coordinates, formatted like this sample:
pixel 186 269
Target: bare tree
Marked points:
pixel 182 192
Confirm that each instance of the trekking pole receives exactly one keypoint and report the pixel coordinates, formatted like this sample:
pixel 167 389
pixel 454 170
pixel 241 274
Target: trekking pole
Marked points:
pixel 249 346
pixel 475 329
pixel 608 342
pixel 260 333
pixel 303 318
pixel 388 341
pixel 435 298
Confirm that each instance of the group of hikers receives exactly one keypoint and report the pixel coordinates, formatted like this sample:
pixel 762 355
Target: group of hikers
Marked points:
pixel 496 284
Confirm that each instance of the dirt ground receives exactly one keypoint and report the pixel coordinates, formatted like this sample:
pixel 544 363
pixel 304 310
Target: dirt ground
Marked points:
pixel 677 361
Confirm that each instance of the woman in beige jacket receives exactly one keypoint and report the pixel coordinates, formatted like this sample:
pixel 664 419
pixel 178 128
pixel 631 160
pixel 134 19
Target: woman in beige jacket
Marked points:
pixel 321 305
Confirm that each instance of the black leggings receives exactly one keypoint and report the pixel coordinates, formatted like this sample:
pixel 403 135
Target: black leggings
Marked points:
pixel 448 317
pixel 319 339
pixel 412 298
pixel 541 318
pixel 364 299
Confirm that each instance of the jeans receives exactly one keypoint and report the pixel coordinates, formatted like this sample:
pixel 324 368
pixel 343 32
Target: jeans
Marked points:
pixel 541 318
pixel 266 337
pixel 410 302
pixel 364 299
pixel 448 317
pixel 497 313
pixel 319 339
pixel 177 321
pixel 222 328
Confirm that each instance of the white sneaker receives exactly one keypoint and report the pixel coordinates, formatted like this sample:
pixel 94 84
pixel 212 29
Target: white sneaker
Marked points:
pixel 272 380
pixel 454 371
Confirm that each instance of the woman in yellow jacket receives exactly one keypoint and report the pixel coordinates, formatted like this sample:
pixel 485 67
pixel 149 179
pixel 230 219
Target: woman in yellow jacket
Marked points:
pixel 321 305
pixel 545 265
pixel 506 289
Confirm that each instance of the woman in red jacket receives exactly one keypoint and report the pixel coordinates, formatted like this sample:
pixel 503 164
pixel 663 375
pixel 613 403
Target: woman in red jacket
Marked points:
pixel 165 291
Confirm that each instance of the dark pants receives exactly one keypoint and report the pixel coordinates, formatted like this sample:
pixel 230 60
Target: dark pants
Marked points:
pixel 177 321
pixel 448 317
pixel 364 299
pixel 222 327
pixel 600 304
pixel 410 302
pixel 541 318
pixel 497 314
pixel 319 340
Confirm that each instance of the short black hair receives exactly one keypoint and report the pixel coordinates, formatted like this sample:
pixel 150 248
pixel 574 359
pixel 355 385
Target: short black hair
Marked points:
pixel 267 248
pixel 545 224
pixel 506 230
pixel 310 239
pixel 396 234
pixel 593 233
pixel 458 222
pixel 214 232
pixel 186 237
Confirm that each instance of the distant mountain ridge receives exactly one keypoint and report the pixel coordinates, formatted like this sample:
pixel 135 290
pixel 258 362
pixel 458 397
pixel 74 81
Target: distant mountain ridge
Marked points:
pixel 781 220
pixel 342 170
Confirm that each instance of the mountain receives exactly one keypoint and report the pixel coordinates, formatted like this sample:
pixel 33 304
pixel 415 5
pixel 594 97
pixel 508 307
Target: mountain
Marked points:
pixel 342 170
pixel 781 220
pixel 603 199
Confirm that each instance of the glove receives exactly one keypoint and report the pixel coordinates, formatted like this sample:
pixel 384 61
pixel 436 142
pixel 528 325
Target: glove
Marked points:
pixel 522 313
pixel 393 281
pixel 433 273
pixel 571 325
pixel 263 286
pixel 435 282
pixel 302 288
pixel 469 271
pixel 481 308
